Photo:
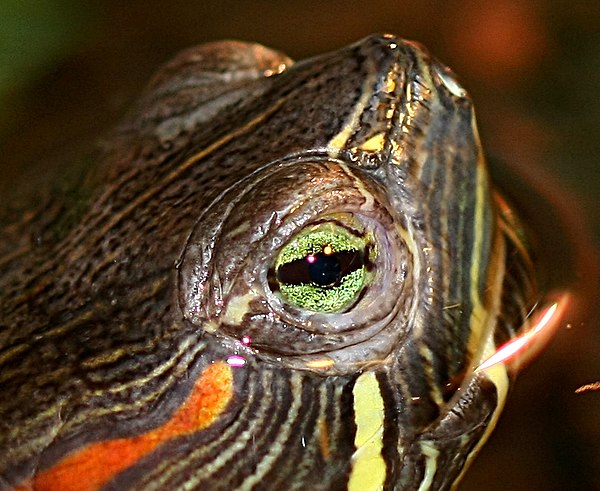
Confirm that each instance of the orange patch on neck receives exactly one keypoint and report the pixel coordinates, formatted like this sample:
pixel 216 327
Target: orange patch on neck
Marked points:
pixel 324 439
pixel 92 467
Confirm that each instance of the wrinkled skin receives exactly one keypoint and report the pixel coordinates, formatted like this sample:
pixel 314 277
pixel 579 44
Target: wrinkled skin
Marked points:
pixel 143 344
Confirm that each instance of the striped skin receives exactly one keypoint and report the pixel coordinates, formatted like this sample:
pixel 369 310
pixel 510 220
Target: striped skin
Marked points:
pixel 100 461
pixel 136 319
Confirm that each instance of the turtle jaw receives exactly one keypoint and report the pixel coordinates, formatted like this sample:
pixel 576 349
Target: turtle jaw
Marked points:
pixel 438 458
pixel 439 455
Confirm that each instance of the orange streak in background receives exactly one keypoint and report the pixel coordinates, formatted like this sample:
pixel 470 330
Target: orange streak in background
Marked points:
pixel 588 387
pixel 92 467
pixel 521 350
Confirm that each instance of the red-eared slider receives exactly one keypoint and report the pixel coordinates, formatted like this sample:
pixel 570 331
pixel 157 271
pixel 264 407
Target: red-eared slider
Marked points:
pixel 274 276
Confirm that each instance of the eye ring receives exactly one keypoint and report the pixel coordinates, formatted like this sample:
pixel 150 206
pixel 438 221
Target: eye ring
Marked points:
pixel 224 275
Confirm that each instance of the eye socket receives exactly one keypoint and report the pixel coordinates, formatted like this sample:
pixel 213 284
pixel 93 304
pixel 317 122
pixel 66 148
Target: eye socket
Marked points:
pixel 324 268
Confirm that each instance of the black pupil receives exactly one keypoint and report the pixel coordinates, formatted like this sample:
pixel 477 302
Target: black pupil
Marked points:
pixel 321 269
pixel 324 270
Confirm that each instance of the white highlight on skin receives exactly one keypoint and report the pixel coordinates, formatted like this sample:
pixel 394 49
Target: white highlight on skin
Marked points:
pixel 431 454
pixel 450 83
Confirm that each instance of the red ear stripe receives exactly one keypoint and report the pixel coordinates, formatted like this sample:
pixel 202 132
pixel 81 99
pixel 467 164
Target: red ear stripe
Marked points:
pixel 92 467
pixel 524 348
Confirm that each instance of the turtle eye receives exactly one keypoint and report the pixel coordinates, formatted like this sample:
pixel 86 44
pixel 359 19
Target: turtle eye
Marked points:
pixel 324 268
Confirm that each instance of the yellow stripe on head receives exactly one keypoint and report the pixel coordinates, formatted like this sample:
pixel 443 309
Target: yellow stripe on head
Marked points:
pixel 368 467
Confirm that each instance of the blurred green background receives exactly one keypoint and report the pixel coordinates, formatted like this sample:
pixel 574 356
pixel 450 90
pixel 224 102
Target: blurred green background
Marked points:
pixel 69 69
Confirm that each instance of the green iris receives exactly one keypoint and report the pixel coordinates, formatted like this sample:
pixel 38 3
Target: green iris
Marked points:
pixel 324 267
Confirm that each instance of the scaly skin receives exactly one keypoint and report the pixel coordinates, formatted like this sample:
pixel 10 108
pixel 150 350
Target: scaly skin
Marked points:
pixel 143 345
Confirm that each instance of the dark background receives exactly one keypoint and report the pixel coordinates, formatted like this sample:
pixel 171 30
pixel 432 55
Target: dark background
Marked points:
pixel 68 70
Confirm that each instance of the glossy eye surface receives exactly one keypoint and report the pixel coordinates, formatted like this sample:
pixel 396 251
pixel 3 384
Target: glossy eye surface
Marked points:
pixel 324 268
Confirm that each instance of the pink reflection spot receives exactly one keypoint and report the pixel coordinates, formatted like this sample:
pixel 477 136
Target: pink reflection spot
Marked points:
pixel 246 340
pixel 311 258
pixel 236 361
